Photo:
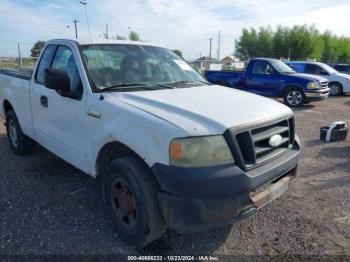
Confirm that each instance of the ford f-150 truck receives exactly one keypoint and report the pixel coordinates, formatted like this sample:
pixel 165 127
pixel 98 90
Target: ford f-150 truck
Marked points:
pixel 273 78
pixel 338 83
pixel 171 150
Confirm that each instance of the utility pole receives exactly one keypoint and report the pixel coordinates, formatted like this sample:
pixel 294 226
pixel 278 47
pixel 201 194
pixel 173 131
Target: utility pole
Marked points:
pixel 106 30
pixel 219 43
pixel 210 40
pixel 19 56
pixel 76 28
pixel 289 53
pixel 84 3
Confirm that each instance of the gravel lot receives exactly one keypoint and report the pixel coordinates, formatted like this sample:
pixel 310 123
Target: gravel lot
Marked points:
pixel 49 207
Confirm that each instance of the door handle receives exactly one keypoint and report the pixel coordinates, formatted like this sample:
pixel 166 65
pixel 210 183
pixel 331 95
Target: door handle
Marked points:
pixel 44 101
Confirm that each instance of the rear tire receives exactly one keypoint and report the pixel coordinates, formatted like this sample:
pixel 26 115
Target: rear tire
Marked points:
pixel 20 143
pixel 130 193
pixel 294 97
pixel 336 89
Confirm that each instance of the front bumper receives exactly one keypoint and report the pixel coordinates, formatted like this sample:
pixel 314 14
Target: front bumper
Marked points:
pixel 318 94
pixel 195 199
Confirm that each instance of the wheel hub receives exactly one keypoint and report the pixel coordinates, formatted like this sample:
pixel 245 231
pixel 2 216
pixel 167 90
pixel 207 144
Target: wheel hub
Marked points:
pixel 13 133
pixel 124 204
pixel 294 97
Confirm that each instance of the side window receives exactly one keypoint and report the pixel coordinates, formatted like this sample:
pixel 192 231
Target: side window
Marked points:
pixel 44 63
pixel 64 60
pixel 312 69
pixel 262 68
pixel 300 68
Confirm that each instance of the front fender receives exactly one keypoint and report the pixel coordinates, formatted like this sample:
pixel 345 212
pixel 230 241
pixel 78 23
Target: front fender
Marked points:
pixel 147 135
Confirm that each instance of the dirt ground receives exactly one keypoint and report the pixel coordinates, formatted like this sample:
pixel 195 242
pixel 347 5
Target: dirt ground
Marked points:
pixel 49 207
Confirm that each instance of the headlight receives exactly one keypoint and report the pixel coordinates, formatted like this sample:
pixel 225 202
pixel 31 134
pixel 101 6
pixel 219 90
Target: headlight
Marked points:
pixel 200 151
pixel 313 85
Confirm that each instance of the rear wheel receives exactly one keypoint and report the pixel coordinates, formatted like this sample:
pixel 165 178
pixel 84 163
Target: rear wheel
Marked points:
pixel 130 192
pixel 336 89
pixel 294 97
pixel 19 142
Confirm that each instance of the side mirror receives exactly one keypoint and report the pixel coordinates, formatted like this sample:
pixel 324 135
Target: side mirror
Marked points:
pixel 270 71
pixel 57 80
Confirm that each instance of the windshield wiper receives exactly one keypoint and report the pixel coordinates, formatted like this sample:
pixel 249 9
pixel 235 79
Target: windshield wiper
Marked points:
pixel 184 82
pixel 148 86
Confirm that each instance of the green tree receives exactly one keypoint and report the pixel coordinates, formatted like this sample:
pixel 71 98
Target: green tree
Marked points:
pixel 247 44
pixel 133 36
pixel 178 52
pixel 301 42
pixel 35 51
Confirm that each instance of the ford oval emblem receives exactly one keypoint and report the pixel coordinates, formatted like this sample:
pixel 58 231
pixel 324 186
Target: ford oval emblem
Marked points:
pixel 275 140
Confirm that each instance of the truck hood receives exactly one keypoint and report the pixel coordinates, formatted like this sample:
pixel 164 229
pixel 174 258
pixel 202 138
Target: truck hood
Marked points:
pixel 342 75
pixel 310 77
pixel 205 110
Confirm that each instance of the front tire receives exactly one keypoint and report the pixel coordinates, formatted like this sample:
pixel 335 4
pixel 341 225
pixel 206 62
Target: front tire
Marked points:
pixel 336 89
pixel 20 143
pixel 294 97
pixel 130 193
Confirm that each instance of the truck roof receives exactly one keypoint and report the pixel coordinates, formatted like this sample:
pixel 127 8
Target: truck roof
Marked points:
pixel 305 62
pixel 104 41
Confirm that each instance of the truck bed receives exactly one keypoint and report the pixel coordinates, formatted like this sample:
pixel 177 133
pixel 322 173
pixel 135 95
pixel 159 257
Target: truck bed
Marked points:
pixel 225 78
pixel 24 73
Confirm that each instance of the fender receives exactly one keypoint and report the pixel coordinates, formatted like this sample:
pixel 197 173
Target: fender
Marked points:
pixel 143 133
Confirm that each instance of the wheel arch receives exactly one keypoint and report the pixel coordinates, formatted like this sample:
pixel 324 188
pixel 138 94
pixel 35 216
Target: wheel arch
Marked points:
pixel 7 106
pixel 337 82
pixel 111 151
pixel 291 86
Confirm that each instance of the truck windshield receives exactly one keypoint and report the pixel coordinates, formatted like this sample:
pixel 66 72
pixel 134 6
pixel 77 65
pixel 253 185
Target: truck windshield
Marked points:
pixel 282 67
pixel 328 69
pixel 132 67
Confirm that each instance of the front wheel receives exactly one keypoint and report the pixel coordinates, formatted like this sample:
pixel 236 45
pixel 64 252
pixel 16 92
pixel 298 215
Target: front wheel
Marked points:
pixel 130 193
pixel 294 97
pixel 19 142
pixel 336 89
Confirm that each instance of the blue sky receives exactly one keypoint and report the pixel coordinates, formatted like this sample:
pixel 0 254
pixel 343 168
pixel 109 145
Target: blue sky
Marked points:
pixel 183 24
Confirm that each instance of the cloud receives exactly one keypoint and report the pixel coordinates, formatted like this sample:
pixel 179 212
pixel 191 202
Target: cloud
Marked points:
pixel 183 24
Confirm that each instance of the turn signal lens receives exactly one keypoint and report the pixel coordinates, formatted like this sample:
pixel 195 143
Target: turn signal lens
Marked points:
pixel 176 151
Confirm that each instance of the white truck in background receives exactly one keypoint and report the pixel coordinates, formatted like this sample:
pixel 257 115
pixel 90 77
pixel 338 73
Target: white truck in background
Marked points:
pixel 172 151
pixel 339 83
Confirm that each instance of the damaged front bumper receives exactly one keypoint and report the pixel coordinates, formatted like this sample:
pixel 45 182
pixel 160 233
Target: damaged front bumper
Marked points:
pixel 196 199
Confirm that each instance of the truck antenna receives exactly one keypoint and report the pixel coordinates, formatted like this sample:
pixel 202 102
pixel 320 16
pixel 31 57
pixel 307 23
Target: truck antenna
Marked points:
pixel 84 3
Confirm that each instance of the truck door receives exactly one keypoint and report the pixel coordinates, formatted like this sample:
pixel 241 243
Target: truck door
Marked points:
pixel 59 122
pixel 263 79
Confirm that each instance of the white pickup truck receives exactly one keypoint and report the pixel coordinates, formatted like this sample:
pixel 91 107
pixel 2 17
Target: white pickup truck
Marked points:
pixel 339 83
pixel 172 151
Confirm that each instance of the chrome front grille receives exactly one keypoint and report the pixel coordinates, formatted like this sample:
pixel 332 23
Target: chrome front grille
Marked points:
pixel 251 147
pixel 324 84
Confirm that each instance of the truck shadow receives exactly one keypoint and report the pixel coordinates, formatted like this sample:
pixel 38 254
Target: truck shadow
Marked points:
pixel 172 243
pixel 303 107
